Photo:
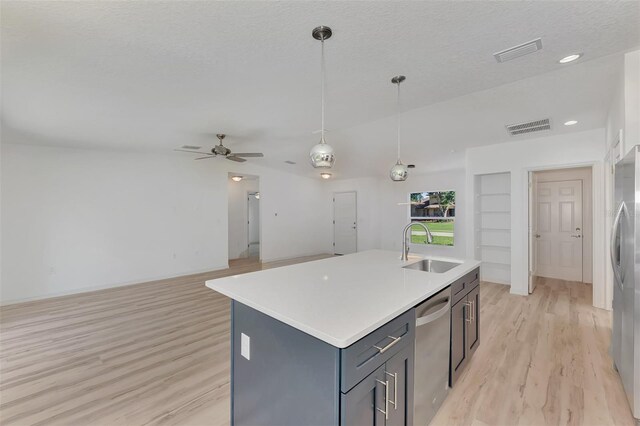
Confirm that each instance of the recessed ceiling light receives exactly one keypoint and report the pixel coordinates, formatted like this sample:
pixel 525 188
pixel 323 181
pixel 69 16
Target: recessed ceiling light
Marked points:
pixel 236 178
pixel 570 58
pixel 570 122
pixel 325 175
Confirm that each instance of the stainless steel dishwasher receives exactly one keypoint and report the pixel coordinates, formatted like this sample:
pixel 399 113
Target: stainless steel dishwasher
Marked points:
pixel 431 377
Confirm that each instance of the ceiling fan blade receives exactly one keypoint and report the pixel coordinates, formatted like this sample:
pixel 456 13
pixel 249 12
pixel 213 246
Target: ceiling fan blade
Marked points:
pixel 203 158
pixel 193 152
pixel 248 154
pixel 234 158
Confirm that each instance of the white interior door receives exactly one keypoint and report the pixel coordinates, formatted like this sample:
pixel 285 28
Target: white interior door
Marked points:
pixel 345 232
pixel 558 230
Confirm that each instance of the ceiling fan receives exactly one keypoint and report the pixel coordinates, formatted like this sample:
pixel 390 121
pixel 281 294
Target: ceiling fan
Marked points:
pixel 223 151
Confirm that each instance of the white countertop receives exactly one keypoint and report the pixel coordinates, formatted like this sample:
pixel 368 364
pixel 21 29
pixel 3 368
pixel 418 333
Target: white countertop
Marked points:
pixel 339 300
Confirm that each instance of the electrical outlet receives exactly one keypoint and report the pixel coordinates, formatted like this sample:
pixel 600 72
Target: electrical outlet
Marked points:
pixel 245 346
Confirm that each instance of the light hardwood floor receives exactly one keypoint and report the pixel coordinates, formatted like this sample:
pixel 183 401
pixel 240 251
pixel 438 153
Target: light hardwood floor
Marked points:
pixel 158 353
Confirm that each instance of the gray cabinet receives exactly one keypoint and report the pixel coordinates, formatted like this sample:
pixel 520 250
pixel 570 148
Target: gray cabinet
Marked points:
pixel 458 353
pixel 360 405
pixel 399 370
pixel 287 377
pixel 473 325
pixel 465 324
pixel 384 397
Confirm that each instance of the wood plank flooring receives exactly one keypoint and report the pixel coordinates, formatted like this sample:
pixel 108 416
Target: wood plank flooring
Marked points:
pixel 158 353
pixel 543 360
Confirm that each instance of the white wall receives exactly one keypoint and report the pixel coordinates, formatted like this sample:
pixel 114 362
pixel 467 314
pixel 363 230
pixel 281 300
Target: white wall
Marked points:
pixel 78 219
pixel 518 158
pixel 381 219
pixel 631 99
pixel 238 216
pixel 395 216
pixel 583 174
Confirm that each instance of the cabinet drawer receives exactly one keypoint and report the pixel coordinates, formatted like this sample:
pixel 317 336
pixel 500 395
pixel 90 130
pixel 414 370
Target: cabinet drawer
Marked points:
pixel 373 350
pixel 464 285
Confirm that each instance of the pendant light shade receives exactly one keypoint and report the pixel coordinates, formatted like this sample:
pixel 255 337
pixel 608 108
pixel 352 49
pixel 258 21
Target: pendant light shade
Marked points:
pixel 322 155
pixel 399 172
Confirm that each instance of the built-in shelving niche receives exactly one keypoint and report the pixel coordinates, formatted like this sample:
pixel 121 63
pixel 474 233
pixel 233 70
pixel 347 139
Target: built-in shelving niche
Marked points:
pixel 492 226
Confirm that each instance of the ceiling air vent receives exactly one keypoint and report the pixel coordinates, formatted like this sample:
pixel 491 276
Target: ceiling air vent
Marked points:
pixel 190 147
pixel 519 50
pixel 532 126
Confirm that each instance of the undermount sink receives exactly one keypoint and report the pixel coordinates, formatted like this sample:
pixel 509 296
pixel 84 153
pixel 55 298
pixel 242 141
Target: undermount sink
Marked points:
pixel 431 265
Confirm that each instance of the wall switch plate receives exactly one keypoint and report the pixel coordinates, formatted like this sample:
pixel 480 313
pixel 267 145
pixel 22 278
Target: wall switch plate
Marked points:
pixel 245 346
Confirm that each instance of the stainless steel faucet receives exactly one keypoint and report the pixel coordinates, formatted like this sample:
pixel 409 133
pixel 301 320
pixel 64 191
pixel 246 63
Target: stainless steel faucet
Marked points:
pixel 405 243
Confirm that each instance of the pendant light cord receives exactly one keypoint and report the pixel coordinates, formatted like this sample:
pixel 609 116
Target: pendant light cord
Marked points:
pixel 322 71
pixel 398 119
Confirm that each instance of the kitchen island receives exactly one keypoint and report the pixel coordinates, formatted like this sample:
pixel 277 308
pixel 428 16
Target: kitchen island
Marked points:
pixel 329 341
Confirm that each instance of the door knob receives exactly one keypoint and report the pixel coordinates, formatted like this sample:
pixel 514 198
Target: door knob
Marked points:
pixel 537 235
pixel 576 236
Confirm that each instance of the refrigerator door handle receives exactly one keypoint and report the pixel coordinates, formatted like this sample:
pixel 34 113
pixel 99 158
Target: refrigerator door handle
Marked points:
pixel 612 245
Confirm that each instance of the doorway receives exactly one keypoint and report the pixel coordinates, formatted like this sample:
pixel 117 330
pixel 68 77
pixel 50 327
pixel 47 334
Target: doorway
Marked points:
pixel 560 225
pixel 253 223
pixel 345 218
pixel 244 218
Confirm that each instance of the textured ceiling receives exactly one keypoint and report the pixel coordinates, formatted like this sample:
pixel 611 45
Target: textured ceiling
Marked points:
pixel 156 75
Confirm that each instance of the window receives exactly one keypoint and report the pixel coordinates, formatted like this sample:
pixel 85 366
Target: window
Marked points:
pixel 437 210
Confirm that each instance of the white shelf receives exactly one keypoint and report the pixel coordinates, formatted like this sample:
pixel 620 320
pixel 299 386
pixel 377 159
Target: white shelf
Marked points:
pixel 492 213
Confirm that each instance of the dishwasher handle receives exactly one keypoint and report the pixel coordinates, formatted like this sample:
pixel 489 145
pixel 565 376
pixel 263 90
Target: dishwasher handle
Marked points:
pixel 446 308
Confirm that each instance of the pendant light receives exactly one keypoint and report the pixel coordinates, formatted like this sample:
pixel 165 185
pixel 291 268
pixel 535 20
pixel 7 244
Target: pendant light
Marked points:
pixel 399 172
pixel 321 155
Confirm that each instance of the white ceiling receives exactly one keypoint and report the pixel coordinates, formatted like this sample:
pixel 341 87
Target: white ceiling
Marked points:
pixel 157 75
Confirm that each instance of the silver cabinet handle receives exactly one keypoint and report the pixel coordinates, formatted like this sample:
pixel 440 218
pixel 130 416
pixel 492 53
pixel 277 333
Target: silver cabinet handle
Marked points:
pixel 386 399
pixel 468 311
pixel 395 389
pixel 386 348
pixel 473 310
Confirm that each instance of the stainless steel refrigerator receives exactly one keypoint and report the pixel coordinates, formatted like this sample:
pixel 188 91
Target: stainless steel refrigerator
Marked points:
pixel 625 257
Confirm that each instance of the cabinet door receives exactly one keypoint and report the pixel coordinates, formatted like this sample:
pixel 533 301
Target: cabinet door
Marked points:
pixel 458 354
pixel 473 326
pixel 364 403
pixel 399 372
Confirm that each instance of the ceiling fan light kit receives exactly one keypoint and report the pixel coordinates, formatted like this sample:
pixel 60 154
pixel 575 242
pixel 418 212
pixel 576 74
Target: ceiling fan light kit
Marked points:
pixel 399 172
pixel 222 150
pixel 322 155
